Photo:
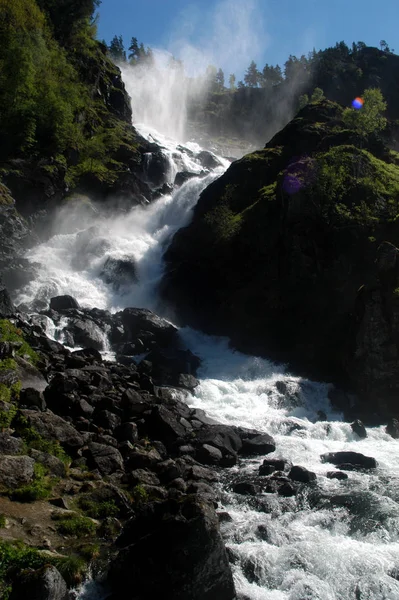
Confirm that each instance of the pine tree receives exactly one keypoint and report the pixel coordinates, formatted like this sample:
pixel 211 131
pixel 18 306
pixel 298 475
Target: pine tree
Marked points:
pixel 134 51
pixel 232 82
pixel 220 79
pixel 117 50
pixel 252 75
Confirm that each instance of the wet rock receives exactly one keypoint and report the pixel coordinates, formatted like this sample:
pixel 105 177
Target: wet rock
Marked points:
pixel 143 477
pixel 183 176
pixel 270 465
pixel 355 459
pixel 86 333
pixel 174 552
pixel 119 272
pixel 208 159
pixel 392 428
pixel 59 303
pixel 358 428
pixel 29 375
pixel 222 437
pixel 258 444
pixel 301 475
pixel 246 488
pixel 286 490
pixel 46 584
pixel 52 427
pixel 104 458
pixel 134 404
pixel 16 471
pixel 137 320
pixel 337 475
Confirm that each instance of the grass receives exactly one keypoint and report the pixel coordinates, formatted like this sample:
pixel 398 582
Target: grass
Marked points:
pixel 10 333
pixel 74 525
pixel 2 521
pixel 33 440
pixel 98 510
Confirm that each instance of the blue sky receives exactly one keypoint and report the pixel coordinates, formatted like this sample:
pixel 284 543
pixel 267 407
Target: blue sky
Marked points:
pixel 230 33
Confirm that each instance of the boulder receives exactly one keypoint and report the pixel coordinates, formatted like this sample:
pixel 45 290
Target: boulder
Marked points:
pixel 54 465
pixel 164 425
pixel 355 459
pixel 60 303
pixel 392 428
pixel 208 159
pixel 45 584
pixel 183 176
pixel 106 459
pixel 10 445
pixel 173 551
pixel 358 428
pixel 337 475
pixel 301 475
pixel 119 272
pixel 261 443
pixel 270 465
pixel 138 320
pixel 86 333
pixel 52 427
pixel 222 437
pixel 16 471
pixel 32 397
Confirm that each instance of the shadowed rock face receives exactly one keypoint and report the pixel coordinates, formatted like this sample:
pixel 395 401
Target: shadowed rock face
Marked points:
pixel 291 253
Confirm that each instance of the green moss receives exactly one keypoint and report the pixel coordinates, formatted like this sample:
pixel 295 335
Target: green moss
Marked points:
pixel 7 414
pixel 222 221
pixel 2 521
pixel 139 494
pixel 74 525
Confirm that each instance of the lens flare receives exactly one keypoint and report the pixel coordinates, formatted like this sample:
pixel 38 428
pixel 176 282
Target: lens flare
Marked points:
pixel 357 103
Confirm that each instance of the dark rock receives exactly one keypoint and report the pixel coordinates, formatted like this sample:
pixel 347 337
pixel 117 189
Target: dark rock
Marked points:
pixel 270 465
pixel 222 437
pixel 106 419
pixel 90 355
pixel 181 555
pixel 392 428
pixel 138 458
pixel 187 382
pixel 286 490
pixel 46 584
pixel 10 445
pixel 31 397
pixel 165 426
pixel 119 272
pixel 359 429
pixel 246 488
pixel 208 159
pixel 355 459
pixel 59 303
pixel 197 472
pixel 301 475
pixel 337 475
pixel 7 308
pixel 16 471
pixel 143 477
pixel 137 320
pixel 258 444
pixel 104 458
pixel 183 176
pixel 52 427
pixel 54 465
pixel 168 470
pixel 86 333
pixel 169 363
pixel 127 432
pixel 281 387
pixel 29 375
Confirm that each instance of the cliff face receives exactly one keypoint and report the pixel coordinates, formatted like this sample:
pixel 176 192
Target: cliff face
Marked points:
pixel 280 246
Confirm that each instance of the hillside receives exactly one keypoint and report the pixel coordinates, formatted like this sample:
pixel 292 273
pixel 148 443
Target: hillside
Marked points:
pixel 292 254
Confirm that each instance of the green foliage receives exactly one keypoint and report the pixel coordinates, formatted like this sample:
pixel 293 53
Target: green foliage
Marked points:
pixel 74 525
pixel 10 333
pixel 98 510
pixel 317 95
pixel 39 489
pixel 7 415
pixel 303 101
pixel 369 119
pixel 3 521
pixel 139 494
pixel 33 440
pixel 16 557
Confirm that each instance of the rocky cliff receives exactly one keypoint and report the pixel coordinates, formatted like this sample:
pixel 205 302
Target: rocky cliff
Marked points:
pixel 292 254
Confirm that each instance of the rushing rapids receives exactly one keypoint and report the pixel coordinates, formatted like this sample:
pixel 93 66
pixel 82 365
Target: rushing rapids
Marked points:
pixel 337 540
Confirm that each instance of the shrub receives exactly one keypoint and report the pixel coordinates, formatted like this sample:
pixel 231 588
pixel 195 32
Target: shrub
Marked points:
pixel 98 510
pixel 39 489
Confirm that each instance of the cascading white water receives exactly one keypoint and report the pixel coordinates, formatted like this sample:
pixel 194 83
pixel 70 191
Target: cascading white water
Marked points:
pixel 321 549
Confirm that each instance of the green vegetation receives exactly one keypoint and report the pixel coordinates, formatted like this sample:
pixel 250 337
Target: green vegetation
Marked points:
pixel 369 119
pixel 16 557
pixel 98 510
pixel 74 525
pixel 39 489
pixel 33 440
pixel 2 521
pixel 10 333
pixel 139 494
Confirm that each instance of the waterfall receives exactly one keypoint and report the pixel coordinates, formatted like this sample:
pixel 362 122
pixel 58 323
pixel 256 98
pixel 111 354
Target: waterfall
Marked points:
pixel 338 541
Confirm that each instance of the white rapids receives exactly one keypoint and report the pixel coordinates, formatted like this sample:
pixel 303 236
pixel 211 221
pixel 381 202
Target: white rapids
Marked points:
pixel 343 549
